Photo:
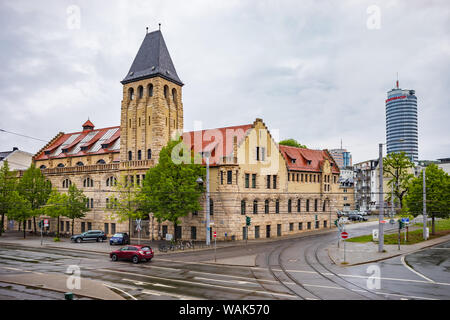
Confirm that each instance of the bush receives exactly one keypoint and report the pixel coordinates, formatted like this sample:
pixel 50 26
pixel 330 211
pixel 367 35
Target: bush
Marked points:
pixel 56 239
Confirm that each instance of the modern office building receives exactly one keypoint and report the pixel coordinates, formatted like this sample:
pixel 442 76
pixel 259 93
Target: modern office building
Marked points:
pixel 342 157
pixel 401 122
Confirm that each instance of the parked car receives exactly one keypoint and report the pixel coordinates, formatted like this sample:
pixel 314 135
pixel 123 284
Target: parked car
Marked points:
pixel 120 238
pixel 356 217
pixel 134 253
pixel 90 235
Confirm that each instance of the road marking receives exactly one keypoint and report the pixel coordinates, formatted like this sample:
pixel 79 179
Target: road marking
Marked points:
pixel 411 269
pixel 15 269
pixel 440 248
pixel 235 281
pixel 402 295
pixel 17 258
pixel 140 283
pixel 203 284
pixel 120 291
pixel 179 296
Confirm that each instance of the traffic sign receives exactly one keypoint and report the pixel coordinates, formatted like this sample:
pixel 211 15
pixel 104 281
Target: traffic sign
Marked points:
pixel 344 235
pixel 383 221
pixel 215 234
pixel 45 222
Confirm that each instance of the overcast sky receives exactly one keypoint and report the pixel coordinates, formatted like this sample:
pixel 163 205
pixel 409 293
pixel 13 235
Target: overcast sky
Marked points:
pixel 318 71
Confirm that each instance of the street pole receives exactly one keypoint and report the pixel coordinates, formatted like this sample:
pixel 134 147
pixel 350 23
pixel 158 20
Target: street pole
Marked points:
pixel 215 260
pixel 41 233
pixel 381 199
pixel 208 240
pixel 424 206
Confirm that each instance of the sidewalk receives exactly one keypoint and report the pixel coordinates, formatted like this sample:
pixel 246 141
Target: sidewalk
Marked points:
pixel 360 253
pixel 16 238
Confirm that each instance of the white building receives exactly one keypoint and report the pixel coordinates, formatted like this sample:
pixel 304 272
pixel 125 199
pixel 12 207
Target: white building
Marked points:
pixel 17 159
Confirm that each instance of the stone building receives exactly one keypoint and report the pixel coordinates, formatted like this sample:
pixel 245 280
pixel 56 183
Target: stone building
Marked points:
pixel 285 190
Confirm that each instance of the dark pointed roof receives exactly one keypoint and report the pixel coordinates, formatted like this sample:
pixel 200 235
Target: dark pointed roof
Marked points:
pixel 153 59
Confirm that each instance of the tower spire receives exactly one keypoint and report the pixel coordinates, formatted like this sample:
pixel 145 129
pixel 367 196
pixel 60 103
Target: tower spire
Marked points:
pixel 397 80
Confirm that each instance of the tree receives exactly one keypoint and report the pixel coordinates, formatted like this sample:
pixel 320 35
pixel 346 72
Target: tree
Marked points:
pixel 34 187
pixel 170 189
pixel 122 203
pixel 76 204
pixel 395 166
pixel 19 209
pixel 437 194
pixel 56 206
pixel 292 143
pixel 7 186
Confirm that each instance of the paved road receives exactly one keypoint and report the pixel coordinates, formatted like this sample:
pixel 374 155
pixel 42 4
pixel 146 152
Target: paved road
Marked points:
pixel 285 269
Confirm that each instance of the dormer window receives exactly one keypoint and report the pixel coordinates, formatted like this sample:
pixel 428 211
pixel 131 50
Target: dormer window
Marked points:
pixel 293 160
pixel 84 148
pixel 308 162
pixel 104 145
pixel 46 152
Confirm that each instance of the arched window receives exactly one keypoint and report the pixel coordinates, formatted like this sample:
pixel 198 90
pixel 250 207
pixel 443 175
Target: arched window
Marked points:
pixel 101 161
pixel 130 155
pixel 166 91
pixel 139 155
pixel 66 183
pixel 289 206
pixel 88 183
pixel 131 93
pixel 140 92
pixel 60 165
pixel 277 206
pixel 111 181
pixel 149 153
pixel 150 90
pixel 42 167
pixel 174 95
pixel 255 206
pixel 79 164
pixel 266 206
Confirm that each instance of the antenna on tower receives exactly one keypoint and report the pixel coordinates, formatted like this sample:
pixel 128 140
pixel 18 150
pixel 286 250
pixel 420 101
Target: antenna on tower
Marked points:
pixel 159 26
pixel 146 29
pixel 397 80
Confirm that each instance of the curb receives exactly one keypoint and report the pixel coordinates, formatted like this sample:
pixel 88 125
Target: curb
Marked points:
pixel 393 256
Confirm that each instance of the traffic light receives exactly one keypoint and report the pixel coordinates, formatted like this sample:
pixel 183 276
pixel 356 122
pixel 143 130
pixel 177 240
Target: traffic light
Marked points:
pixel 336 223
pixel 41 224
pixel 248 220
pixel 400 224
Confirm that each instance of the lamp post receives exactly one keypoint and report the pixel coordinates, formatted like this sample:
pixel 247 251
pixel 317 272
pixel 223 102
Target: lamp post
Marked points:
pixel 381 200
pixel 199 180
pixel 425 236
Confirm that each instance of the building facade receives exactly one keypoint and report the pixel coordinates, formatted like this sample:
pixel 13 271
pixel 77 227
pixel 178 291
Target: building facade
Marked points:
pixel 285 190
pixel 401 123
pixel 342 157
pixel 17 159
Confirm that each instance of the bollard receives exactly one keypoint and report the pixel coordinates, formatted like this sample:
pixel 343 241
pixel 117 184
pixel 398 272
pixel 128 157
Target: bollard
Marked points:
pixel 68 296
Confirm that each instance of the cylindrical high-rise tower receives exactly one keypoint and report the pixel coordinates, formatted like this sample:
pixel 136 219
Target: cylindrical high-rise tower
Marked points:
pixel 401 122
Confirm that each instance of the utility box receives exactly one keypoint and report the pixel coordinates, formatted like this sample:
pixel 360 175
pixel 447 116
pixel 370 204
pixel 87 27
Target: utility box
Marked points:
pixel 375 235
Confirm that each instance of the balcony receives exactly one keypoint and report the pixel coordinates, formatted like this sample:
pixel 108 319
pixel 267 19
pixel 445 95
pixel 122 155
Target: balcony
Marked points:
pixel 137 164
pixel 81 169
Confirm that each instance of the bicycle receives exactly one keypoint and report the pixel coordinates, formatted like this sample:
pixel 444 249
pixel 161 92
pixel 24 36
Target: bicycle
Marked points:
pixel 163 247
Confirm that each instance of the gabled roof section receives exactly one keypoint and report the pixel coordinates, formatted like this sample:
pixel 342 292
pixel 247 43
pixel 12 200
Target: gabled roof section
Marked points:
pixel 302 156
pixel 153 59
pixel 219 141
pixel 69 144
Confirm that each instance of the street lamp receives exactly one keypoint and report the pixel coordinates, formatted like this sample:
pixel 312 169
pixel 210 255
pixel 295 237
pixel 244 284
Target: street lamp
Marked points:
pixel 200 181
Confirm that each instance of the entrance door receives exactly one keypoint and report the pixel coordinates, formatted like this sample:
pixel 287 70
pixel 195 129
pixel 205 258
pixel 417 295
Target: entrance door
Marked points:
pixel 268 231
pixel 164 231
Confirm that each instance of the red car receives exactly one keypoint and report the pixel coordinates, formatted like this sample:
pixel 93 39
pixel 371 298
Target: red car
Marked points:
pixel 134 253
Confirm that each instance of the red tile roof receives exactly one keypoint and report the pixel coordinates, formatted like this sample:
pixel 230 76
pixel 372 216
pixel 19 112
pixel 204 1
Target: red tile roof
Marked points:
pixel 72 143
pixel 219 141
pixel 88 123
pixel 297 159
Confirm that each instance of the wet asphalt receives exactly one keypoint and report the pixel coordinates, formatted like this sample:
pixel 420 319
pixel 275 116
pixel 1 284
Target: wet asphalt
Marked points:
pixel 292 269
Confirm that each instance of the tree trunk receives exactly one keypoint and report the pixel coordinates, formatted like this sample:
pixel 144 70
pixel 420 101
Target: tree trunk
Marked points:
pixel 3 223
pixel 24 231
pixel 432 225
pixel 175 231
pixel 57 232
pixel 34 224
pixel 73 220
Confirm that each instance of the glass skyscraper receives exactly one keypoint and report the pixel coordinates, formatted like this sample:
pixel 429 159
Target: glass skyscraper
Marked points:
pixel 401 123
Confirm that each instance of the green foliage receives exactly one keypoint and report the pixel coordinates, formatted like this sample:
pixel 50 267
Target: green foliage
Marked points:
pixel 395 166
pixel 122 202
pixel 34 187
pixel 75 204
pixel 56 206
pixel 8 184
pixel 437 193
pixel 19 209
pixel 292 143
pixel 170 189
pixel 56 239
